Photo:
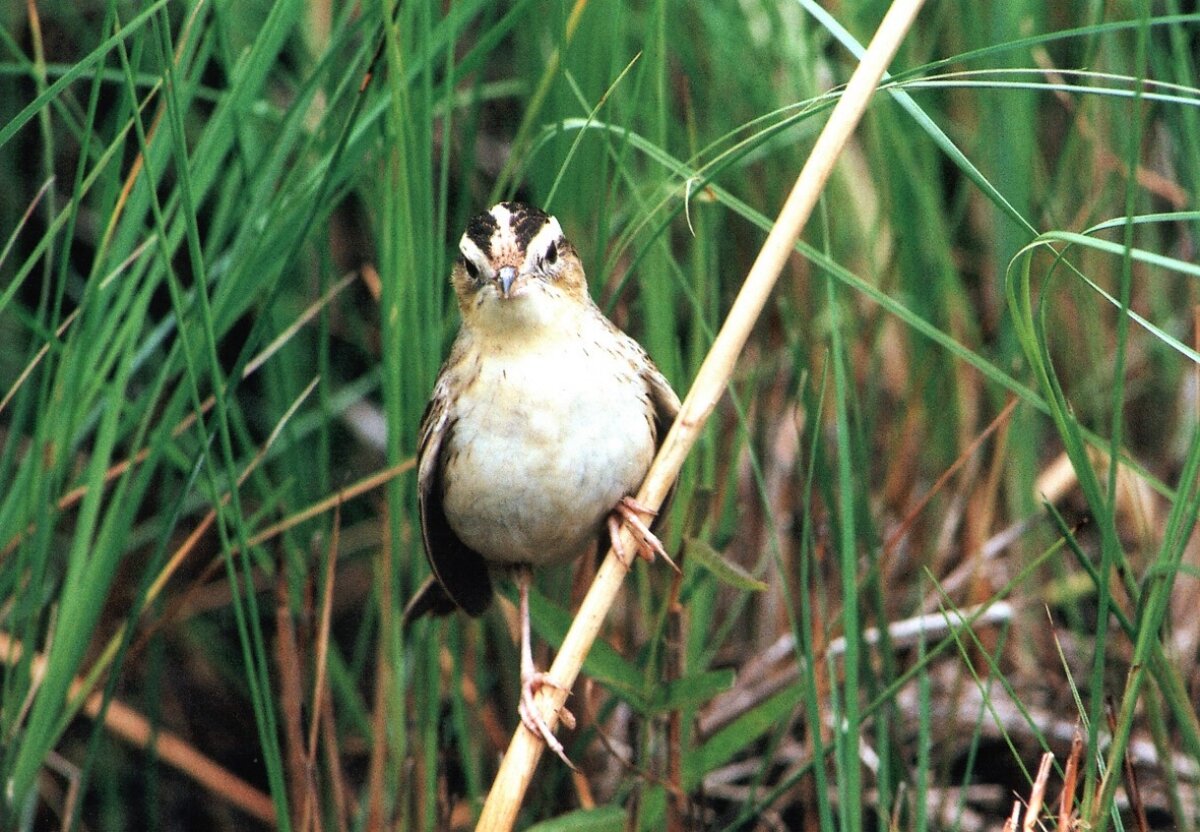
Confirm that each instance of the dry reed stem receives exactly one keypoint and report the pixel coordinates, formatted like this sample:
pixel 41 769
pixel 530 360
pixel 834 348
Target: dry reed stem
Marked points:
pixel 1066 801
pixel 1037 796
pixel 516 771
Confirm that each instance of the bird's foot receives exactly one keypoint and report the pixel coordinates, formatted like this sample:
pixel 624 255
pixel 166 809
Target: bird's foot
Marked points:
pixel 531 714
pixel 629 511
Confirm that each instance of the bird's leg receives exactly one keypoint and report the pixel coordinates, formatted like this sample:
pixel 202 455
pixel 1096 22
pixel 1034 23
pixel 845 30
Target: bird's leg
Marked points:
pixel 629 512
pixel 533 679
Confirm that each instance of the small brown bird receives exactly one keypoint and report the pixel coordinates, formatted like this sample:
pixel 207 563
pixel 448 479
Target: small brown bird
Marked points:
pixel 543 423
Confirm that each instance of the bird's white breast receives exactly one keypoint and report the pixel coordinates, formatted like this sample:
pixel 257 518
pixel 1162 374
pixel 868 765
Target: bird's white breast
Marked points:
pixel 544 443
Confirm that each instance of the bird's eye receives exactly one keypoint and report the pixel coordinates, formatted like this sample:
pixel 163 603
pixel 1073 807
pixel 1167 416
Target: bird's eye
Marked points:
pixel 471 268
pixel 552 254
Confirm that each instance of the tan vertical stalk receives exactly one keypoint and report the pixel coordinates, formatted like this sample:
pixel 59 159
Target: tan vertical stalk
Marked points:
pixel 512 780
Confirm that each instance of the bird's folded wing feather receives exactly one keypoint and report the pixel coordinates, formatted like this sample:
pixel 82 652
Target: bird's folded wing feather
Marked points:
pixel 666 403
pixel 461 571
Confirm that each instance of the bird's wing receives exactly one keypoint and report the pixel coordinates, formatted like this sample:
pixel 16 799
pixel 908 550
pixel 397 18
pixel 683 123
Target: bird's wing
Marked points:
pixel 461 571
pixel 666 408
pixel 666 403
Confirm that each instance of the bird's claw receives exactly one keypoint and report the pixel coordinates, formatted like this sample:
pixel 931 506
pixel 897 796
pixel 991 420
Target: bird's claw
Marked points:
pixel 629 511
pixel 531 714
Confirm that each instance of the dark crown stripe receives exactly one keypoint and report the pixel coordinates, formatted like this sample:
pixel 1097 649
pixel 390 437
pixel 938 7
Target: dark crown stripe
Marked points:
pixel 526 222
pixel 480 230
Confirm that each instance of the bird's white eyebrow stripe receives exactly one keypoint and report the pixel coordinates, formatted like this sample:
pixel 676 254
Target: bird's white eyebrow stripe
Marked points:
pixel 549 233
pixel 471 251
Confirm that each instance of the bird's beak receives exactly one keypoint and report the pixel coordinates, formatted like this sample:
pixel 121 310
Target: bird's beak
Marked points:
pixel 506 277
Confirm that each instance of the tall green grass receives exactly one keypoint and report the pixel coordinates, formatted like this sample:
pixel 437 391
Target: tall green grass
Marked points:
pixel 196 202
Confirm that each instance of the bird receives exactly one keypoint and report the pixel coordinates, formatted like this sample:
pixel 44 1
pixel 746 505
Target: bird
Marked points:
pixel 542 424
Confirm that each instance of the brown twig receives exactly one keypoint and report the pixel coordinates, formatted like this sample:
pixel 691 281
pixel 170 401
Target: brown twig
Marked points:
pixel 516 771
pixel 1136 804
pixel 291 704
pixel 677 799
pixel 1037 796
pixel 1066 801
pixel 893 541
pixel 321 649
pixel 377 762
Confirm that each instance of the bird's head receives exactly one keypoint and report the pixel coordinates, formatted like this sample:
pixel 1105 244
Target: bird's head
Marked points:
pixel 517 270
